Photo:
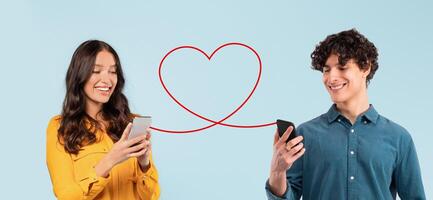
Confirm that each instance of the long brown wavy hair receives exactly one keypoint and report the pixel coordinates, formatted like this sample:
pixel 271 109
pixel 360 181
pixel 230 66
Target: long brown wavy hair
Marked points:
pixel 77 128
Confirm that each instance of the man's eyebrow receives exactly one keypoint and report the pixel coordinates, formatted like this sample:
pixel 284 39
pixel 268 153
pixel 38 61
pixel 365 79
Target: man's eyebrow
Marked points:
pixel 338 64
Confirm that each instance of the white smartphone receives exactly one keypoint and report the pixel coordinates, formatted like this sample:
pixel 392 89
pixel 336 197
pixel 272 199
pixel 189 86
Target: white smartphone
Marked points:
pixel 139 126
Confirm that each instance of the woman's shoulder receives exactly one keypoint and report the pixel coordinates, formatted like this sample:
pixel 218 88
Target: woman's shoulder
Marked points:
pixel 55 120
pixel 53 125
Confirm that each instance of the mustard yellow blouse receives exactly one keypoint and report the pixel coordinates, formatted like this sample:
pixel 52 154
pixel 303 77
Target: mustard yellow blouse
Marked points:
pixel 74 177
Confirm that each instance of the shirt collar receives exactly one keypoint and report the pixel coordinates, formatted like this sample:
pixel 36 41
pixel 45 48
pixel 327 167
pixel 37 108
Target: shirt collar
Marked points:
pixel 371 114
pixel 332 113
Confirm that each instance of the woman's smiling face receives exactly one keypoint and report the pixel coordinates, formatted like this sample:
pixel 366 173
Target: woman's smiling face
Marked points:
pixel 103 79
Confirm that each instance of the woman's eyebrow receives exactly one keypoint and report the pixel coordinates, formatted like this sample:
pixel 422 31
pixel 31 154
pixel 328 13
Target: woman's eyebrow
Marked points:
pixel 99 65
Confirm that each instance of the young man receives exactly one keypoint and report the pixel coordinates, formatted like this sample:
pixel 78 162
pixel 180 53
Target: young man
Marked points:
pixel 351 152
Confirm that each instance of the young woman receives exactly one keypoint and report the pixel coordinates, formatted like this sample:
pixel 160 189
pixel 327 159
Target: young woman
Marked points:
pixel 89 155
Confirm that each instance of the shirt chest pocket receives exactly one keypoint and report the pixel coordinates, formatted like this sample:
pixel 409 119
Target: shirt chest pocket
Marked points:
pixel 377 153
pixel 327 150
pixel 85 161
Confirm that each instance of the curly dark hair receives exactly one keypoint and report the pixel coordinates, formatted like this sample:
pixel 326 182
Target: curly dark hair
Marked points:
pixel 77 128
pixel 349 44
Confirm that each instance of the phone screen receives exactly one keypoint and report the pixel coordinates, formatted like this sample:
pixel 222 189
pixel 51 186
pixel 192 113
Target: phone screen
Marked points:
pixel 139 126
pixel 282 127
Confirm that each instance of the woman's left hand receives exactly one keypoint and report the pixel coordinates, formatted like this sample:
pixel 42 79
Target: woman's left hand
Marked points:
pixel 144 160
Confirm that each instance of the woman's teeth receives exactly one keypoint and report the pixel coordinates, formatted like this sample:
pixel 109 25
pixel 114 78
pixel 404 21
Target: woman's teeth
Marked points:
pixel 103 89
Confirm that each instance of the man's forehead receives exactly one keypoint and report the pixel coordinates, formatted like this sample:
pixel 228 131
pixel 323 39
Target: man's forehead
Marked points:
pixel 332 60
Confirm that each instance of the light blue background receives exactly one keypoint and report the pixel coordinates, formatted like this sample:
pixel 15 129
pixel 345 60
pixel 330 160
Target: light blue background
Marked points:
pixel 37 39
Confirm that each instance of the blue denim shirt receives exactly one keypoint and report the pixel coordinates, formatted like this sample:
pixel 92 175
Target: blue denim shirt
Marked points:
pixel 374 158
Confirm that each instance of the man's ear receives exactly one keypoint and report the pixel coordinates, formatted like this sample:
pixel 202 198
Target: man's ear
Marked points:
pixel 366 72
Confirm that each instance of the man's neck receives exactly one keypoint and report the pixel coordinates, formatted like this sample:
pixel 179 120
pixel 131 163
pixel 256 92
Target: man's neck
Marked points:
pixel 353 108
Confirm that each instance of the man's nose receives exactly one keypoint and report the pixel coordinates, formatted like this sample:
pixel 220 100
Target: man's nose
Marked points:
pixel 333 73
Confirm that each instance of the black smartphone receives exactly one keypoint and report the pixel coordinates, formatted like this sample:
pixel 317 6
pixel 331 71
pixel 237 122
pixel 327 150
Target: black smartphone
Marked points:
pixel 282 127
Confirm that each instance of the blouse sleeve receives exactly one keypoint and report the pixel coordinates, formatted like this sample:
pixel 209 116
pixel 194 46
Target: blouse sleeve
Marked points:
pixel 147 182
pixel 60 167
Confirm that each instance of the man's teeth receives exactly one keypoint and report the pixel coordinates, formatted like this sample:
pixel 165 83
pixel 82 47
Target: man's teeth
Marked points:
pixel 336 87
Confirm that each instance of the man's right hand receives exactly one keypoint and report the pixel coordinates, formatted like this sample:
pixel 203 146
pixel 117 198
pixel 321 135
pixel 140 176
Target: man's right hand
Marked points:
pixel 284 155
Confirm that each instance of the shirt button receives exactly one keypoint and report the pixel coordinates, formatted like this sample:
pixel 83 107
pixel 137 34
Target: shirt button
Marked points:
pixel 352 131
pixel 352 152
pixel 339 120
pixel 365 122
pixel 352 178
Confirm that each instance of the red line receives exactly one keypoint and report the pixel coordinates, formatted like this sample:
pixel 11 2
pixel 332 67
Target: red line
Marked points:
pixel 214 123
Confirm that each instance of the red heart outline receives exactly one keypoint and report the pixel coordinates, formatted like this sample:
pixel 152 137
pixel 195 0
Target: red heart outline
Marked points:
pixel 220 122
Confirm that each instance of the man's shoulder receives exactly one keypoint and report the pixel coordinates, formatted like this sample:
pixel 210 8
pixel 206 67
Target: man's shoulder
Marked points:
pixel 317 122
pixel 391 127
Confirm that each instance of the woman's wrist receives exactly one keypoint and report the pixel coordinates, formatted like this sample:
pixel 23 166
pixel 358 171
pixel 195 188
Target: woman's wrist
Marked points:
pixel 144 166
pixel 103 167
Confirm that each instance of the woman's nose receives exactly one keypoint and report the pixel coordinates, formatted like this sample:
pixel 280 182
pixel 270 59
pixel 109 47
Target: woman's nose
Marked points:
pixel 105 76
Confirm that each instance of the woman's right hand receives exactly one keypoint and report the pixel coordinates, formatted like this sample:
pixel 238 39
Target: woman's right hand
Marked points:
pixel 121 151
